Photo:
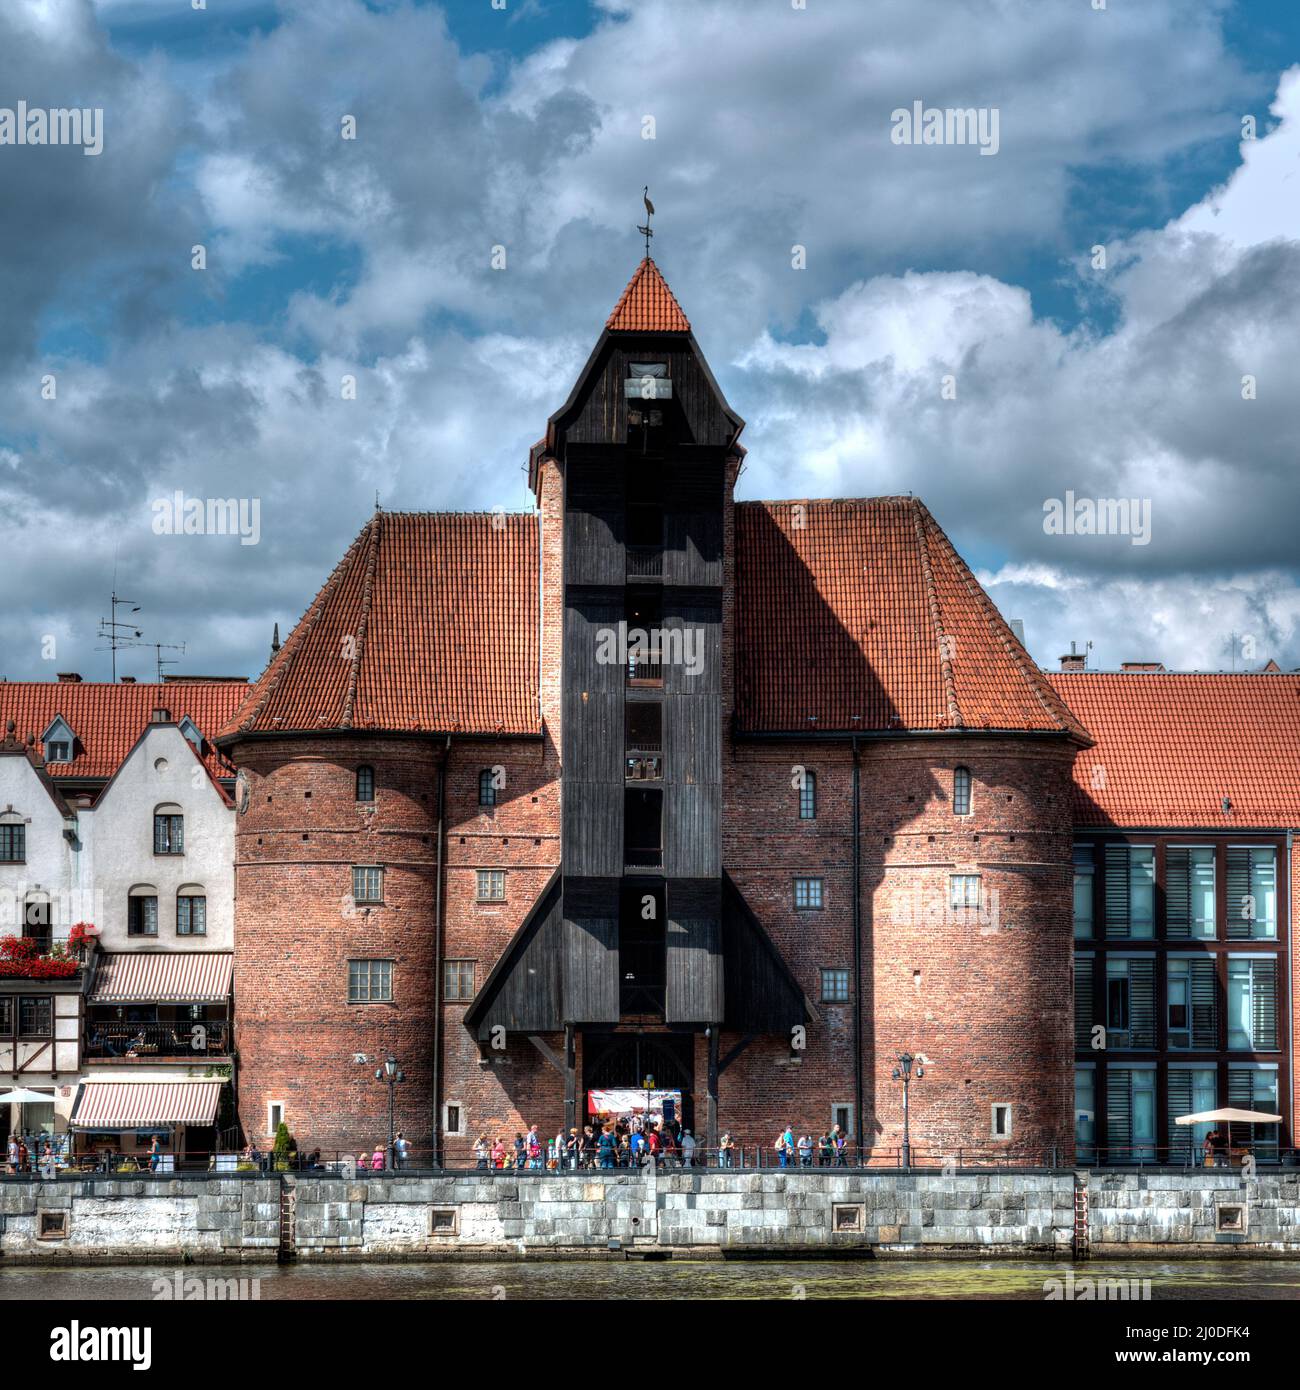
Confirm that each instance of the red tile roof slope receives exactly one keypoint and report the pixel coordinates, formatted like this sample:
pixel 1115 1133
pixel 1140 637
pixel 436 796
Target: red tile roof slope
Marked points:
pixel 648 305
pixel 441 609
pixel 108 719
pixel 860 612
pixel 1170 746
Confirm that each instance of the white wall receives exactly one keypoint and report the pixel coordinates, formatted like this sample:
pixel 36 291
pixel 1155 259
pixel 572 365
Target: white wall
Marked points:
pixel 119 845
pixel 52 862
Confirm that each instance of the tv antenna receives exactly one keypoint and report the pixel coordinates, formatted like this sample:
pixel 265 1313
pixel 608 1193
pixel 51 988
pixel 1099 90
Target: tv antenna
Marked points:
pixel 649 213
pixel 160 660
pixel 119 634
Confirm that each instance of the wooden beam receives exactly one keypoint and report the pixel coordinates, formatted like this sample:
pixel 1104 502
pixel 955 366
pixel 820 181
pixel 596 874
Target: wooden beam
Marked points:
pixel 735 1052
pixel 547 1051
pixel 570 1083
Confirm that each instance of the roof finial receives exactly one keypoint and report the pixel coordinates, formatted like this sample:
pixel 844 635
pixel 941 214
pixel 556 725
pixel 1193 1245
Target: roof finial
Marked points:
pixel 378 508
pixel 275 641
pixel 649 213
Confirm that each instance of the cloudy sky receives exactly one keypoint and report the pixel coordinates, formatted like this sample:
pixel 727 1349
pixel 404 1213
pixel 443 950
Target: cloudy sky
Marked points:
pixel 127 374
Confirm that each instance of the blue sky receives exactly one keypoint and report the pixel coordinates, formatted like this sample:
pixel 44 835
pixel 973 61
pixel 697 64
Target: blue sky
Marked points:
pixel 523 128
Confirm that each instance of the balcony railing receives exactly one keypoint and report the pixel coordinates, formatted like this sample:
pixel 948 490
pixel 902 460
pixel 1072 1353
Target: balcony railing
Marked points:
pixel 644 672
pixel 645 562
pixel 642 858
pixel 643 764
pixel 184 1038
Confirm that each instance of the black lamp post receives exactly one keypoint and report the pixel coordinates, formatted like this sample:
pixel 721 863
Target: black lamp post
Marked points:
pixel 390 1074
pixel 903 1073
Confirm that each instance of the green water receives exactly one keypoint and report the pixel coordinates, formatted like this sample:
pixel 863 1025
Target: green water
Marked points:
pixel 1233 1280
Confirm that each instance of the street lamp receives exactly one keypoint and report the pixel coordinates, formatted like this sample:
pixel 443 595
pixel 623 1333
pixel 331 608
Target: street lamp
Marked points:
pixel 390 1074
pixel 903 1073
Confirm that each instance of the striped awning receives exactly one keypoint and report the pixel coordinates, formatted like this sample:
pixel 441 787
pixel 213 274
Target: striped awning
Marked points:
pixel 163 977
pixel 144 1104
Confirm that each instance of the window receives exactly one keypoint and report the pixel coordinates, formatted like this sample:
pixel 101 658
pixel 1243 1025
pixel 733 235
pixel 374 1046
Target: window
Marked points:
pixel 491 885
pixel 35 1016
pixel 142 915
pixel 1000 1123
pixel 961 791
pixel 458 979
pixel 965 890
pixel 37 921
pixel 842 1118
pixel 191 915
pixel 1085 873
pixel 808 796
pixel 370 982
pixel 274 1115
pixel 451 1117
pixel 1189 892
pixel 1130 890
pixel 6 1015
pixel 1131 1002
pixel 1085 1114
pixel 367 884
pixel 168 830
pixel 1252 1003
pixel 807 892
pixel 58 752
pixel 13 844
pixel 487 788
pixel 1192 1004
pixel 365 783
pixel 1130 1113
pixel 835 986
pixel 1192 1090
pixel 1252 893
pixel 1253 1086
pixel 1084 1015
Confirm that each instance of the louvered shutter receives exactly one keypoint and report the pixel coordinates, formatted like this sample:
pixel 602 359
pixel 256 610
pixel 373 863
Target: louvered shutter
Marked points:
pixel 1178 892
pixel 1205 1010
pixel 1240 920
pixel 1263 999
pixel 1142 1003
pixel 1241 1096
pixel 1119 1112
pixel 1083 1004
pixel 1117 890
pixel 1180 1103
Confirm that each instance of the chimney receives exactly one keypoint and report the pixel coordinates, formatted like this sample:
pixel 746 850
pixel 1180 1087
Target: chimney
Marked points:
pixel 1141 666
pixel 1074 660
pixel 159 715
pixel 70 677
pixel 128 680
pixel 1017 625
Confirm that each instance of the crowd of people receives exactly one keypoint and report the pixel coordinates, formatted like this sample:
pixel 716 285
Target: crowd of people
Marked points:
pixel 829 1150
pixel 625 1142
pixel 36 1154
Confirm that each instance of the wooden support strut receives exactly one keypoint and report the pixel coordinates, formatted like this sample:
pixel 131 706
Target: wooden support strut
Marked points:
pixel 567 1066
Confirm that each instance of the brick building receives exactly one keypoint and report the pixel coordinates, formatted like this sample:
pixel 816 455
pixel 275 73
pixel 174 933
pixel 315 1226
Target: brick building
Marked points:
pixel 749 797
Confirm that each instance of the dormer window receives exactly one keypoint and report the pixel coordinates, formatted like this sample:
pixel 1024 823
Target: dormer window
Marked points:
pixel 58 740
pixel 648 381
pixel 191 731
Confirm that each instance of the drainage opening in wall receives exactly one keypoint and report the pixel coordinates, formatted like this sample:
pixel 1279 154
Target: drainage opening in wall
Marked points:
pixel 444 1221
pixel 1230 1219
pixel 847 1216
pixel 52 1225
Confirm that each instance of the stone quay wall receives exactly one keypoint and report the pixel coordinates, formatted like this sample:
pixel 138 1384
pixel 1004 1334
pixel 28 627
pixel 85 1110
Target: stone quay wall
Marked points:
pixel 223 1219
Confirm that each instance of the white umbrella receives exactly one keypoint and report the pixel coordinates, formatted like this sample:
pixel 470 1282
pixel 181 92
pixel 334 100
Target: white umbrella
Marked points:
pixel 1225 1116
pixel 21 1096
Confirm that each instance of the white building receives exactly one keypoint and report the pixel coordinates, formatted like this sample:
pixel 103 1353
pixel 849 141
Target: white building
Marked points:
pixel 115 810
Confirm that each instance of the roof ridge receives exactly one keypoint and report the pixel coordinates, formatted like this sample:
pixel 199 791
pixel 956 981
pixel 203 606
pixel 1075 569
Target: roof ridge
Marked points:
pixel 246 716
pixel 376 529
pixel 936 615
pixel 1054 707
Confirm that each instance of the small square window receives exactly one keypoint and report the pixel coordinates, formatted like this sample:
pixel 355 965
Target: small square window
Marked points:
pixel 53 1226
pixel 444 1221
pixel 491 885
pixel 965 890
pixel 808 892
pixel 835 986
pixel 57 752
pixel 367 884
pixel 458 980
pixel 13 844
pixel 370 982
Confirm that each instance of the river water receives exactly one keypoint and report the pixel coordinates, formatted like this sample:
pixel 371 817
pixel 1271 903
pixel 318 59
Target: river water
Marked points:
pixel 676 1279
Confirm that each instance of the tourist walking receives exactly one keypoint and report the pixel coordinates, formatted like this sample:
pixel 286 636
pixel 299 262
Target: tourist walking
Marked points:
pixel 805 1151
pixel 688 1149
pixel 534 1147
pixel 400 1150
pixel 481 1149
pixel 726 1147
pixel 377 1159
pixel 498 1152
pixel 784 1146
pixel 606 1147
pixel 11 1155
pixel 155 1152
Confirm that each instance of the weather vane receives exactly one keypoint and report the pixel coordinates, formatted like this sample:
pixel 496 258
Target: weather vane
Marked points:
pixel 649 213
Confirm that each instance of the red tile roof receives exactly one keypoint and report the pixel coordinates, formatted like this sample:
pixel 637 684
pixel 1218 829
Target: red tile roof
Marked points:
pixel 1170 746
pixel 429 622
pixel 648 305
pixel 860 612
pixel 108 719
